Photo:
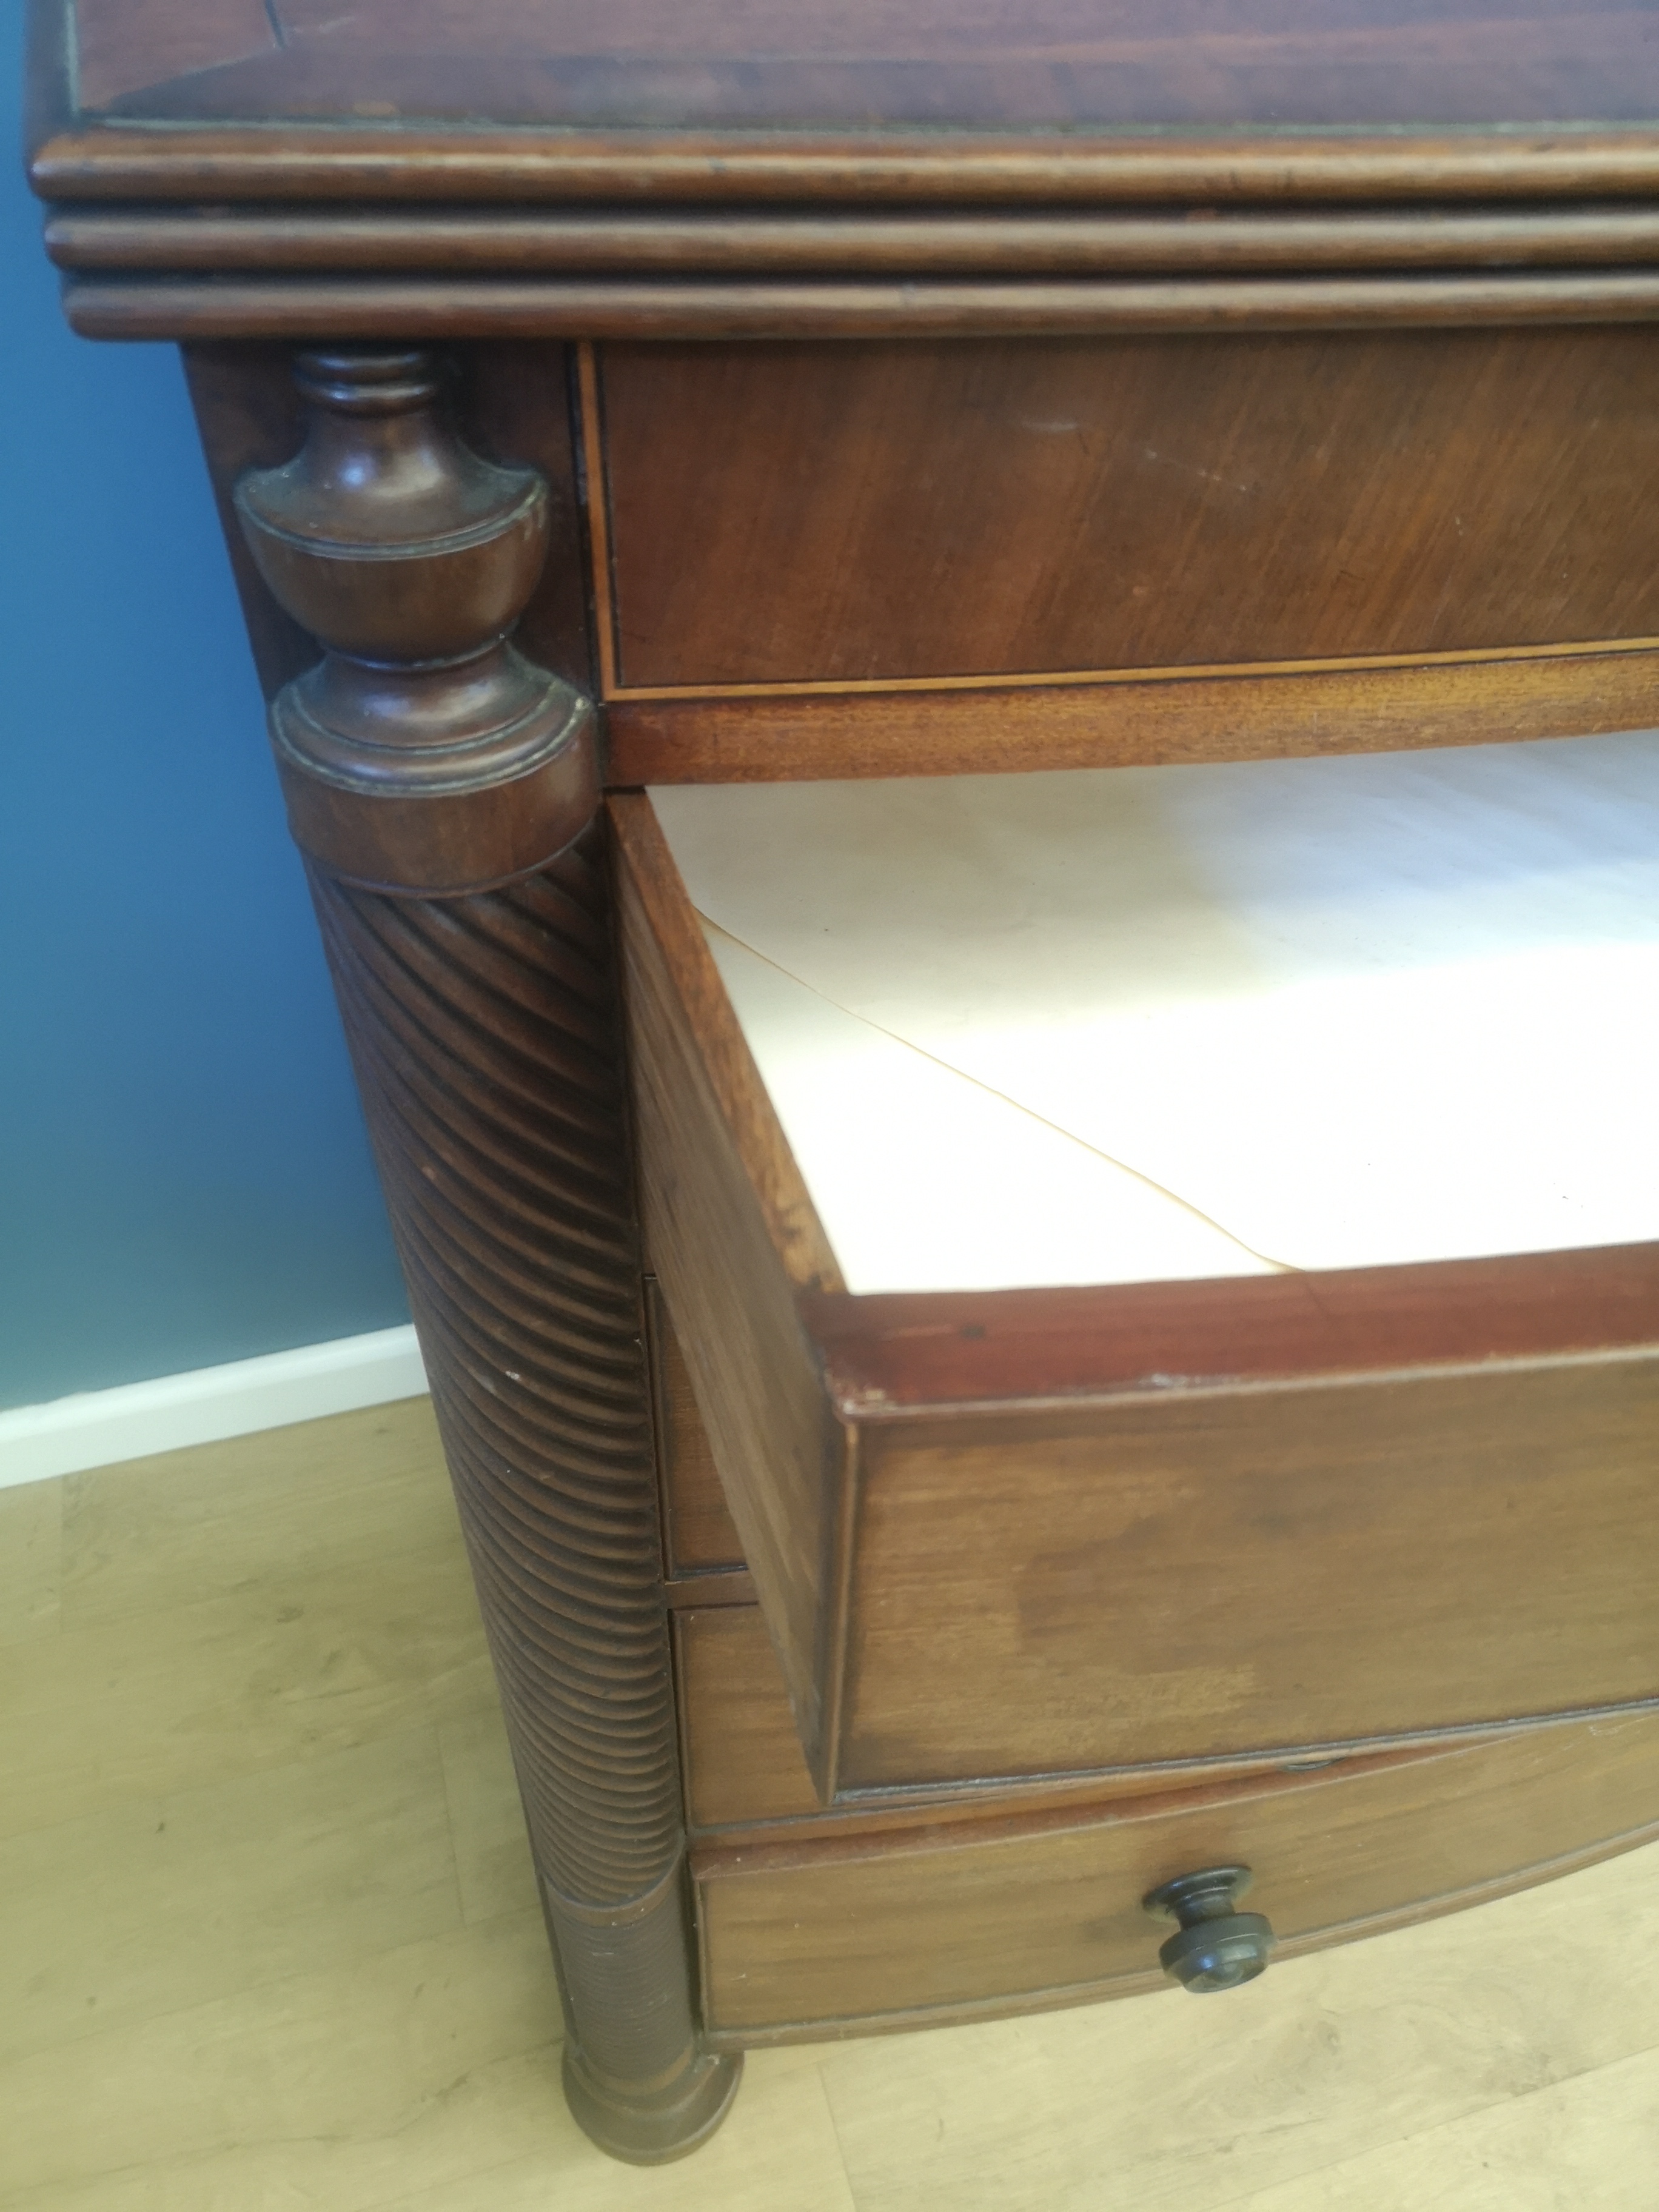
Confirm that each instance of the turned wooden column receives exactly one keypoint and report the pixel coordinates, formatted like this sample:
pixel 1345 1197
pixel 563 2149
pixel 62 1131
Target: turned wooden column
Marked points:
pixel 444 791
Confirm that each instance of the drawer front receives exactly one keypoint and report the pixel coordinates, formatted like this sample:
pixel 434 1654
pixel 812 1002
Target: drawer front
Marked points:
pixel 1192 1576
pixel 741 1759
pixel 857 512
pixel 746 1778
pixel 840 1936
pixel 1024 1534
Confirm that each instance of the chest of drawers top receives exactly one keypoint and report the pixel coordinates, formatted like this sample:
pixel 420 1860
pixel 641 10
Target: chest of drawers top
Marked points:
pixel 233 170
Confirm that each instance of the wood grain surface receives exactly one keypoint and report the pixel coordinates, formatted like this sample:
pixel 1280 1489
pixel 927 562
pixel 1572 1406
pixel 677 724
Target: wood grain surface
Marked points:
pixel 1199 1571
pixel 322 310
pixel 661 916
pixel 877 1940
pixel 385 160
pixel 699 1538
pixel 896 1352
pixel 1058 62
pixel 732 1235
pixel 748 1788
pixel 175 1706
pixel 986 726
pixel 851 513
pixel 484 1030
pixel 1461 1536
pixel 327 1917
pixel 470 242
pixel 127 48
pixel 949 1576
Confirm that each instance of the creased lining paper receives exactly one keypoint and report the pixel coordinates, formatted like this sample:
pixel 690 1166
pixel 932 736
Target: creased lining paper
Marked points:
pixel 1115 1025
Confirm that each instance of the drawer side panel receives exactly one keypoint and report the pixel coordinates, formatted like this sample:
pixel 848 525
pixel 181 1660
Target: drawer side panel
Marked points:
pixel 700 1537
pixel 778 1447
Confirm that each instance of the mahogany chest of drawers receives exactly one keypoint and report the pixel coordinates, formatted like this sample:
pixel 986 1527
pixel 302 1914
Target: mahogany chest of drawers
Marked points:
pixel 957 393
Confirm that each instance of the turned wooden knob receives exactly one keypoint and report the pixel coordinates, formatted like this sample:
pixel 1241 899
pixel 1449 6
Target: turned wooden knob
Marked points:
pixel 1215 1946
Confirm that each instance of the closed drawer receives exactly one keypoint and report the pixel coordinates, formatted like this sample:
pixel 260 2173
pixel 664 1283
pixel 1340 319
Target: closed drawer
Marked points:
pixel 746 1778
pixel 977 1920
pixel 822 515
pixel 1048 1531
pixel 907 556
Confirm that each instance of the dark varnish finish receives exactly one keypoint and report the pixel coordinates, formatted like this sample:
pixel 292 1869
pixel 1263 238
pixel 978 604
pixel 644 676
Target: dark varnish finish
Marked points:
pixel 509 405
pixel 1272 382
pixel 371 306
pixel 917 172
pixel 78 158
pixel 733 1236
pixel 1072 62
pixel 828 515
pixel 970 1923
pixel 700 1543
pixel 443 788
pixel 475 241
pixel 902 1351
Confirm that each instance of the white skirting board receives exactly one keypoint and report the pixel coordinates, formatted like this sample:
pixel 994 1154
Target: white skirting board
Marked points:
pixel 95 1428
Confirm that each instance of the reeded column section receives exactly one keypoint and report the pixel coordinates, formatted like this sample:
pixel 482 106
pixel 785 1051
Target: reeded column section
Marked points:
pixel 444 790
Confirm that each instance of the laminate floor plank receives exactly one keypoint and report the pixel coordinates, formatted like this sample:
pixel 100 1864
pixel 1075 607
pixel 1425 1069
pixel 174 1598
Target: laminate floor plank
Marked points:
pixel 776 2152
pixel 300 1661
pixel 165 1904
pixel 227 1520
pixel 268 1935
pixel 492 1850
pixel 1592 2142
pixel 1168 2105
pixel 334 2088
pixel 31 1560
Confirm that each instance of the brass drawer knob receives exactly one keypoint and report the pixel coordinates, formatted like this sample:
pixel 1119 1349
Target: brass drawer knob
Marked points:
pixel 1215 1946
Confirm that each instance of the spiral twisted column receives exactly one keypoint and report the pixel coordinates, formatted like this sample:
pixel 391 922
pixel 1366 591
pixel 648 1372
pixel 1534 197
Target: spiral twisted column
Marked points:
pixel 444 791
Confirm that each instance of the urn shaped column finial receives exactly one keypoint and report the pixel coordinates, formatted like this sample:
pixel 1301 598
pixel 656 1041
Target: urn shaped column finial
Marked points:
pixel 424 753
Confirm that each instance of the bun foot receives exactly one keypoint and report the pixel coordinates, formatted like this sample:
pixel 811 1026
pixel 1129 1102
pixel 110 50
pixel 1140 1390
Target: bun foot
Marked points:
pixel 650 2128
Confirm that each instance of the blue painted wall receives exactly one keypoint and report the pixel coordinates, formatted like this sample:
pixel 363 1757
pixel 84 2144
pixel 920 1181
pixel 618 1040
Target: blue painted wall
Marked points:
pixel 184 1176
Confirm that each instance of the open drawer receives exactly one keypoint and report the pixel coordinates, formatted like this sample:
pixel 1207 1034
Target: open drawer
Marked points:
pixel 1078 1526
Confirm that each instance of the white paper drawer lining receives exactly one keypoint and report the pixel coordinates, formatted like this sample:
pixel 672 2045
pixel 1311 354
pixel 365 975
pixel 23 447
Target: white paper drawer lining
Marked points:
pixel 1115 1025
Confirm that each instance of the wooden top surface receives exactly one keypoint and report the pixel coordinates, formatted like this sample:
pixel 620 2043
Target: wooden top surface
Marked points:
pixel 760 168
pixel 857 64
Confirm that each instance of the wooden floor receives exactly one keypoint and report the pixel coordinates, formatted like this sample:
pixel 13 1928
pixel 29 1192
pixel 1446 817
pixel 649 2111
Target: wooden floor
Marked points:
pixel 268 1938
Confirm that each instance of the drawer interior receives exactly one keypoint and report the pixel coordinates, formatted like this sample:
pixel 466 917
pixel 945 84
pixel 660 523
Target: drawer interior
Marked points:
pixel 1111 1025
